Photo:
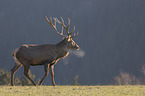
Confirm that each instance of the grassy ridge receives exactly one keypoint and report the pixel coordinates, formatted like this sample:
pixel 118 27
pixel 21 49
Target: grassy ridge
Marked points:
pixel 72 91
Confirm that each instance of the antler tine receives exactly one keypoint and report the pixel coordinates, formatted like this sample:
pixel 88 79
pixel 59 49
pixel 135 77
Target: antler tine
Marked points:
pixel 54 22
pixel 75 35
pixel 68 23
pixel 72 31
pixel 54 26
pixel 62 30
pixel 48 20
pixel 62 23
pixel 67 28
pixel 51 20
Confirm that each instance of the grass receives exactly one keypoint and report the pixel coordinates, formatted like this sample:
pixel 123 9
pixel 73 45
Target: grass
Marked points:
pixel 132 90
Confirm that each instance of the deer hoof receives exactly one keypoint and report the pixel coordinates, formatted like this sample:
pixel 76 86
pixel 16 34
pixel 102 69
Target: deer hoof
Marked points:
pixel 53 84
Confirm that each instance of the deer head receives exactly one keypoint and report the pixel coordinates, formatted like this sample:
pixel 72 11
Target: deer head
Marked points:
pixel 67 39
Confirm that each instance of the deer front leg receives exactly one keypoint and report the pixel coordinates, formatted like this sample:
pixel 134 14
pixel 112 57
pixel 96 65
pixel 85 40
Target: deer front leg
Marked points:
pixel 26 71
pixel 13 70
pixel 46 73
pixel 51 70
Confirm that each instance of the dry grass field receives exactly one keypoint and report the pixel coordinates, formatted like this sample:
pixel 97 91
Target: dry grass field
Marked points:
pixel 129 90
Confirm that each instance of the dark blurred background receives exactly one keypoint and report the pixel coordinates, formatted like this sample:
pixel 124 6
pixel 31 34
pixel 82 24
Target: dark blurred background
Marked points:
pixel 111 36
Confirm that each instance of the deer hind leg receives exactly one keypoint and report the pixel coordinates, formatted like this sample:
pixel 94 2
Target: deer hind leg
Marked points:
pixel 51 70
pixel 26 71
pixel 13 70
pixel 46 73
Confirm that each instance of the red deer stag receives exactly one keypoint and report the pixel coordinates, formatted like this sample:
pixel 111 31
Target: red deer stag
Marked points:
pixel 47 54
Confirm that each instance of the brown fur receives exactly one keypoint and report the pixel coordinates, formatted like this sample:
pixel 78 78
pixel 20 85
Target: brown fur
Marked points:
pixel 46 55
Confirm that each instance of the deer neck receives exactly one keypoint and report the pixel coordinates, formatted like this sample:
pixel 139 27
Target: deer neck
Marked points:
pixel 63 50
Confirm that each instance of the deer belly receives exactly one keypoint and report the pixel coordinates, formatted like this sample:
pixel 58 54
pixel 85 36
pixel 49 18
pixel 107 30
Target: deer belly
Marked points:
pixel 37 62
pixel 41 61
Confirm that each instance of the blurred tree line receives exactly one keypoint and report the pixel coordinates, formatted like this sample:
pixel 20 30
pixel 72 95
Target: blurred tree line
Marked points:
pixel 123 78
pixel 5 79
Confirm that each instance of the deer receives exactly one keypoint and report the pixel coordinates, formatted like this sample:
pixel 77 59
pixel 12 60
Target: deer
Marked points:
pixel 46 54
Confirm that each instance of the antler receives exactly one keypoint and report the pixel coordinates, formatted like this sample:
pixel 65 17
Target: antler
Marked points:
pixel 54 26
pixel 63 26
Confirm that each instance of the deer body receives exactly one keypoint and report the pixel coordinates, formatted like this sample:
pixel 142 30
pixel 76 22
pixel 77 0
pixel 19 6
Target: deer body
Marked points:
pixel 47 54
pixel 38 54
